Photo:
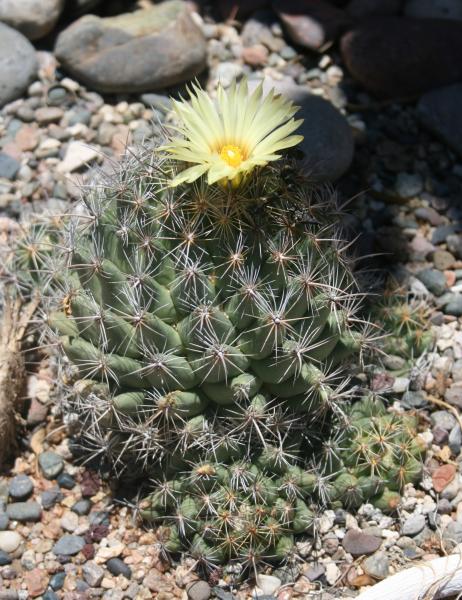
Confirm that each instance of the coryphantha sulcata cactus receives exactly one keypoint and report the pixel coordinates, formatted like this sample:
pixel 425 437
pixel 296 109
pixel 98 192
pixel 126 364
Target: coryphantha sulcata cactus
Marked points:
pixel 206 317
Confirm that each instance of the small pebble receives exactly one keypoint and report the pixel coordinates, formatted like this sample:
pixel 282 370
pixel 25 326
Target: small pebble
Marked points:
pixel 21 487
pixel 413 525
pixel 377 565
pixel 24 511
pixel 65 480
pixel 4 521
pixel 92 573
pixel 51 464
pixel 82 507
pixel 49 498
pixel 116 566
pixel 5 559
pixel 68 545
pixel 57 580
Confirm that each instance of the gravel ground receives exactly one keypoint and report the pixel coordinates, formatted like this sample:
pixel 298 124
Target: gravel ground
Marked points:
pixel 62 533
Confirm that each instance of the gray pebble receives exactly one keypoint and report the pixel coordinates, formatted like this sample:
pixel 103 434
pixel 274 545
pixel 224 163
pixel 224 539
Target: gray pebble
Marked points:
pixel 453 532
pixel 411 400
pixel 455 440
pixel 408 185
pixel 21 487
pixel 116 566
pixel 377 565
pixel 434 281
pixel 51 464
pixel 57 580
pixel 199 590
pixel 68 545
pixel 444 419
pixel 5 559
pixel 444 507
pixel 82 507
pixel 441 233
pixel 24 511
pixel 454 305
pixel 440 436
pixel 9 166
pixel 4 521
pixel 66 481
pixel 92 573
pixel 49 498
pixel 454 243
pixel 413 525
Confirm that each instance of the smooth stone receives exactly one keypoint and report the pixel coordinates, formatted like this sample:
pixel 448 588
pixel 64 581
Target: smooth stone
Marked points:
pixel 408 185
pixel 68 545
pixel 429 215
pixel 440 234
pixel 413 525
pixel 140 51
pixel 434 281
pixel 159 102
pixel 82 507
pixel 403 57
pixel 5 558
pixel 51 464
pixel 443 419
pixel 443 260
pixel 49 498
pixel 455 440
pixel 57 580
pixel 433 9
pixel 24 511
pixel 50 595
pixel 439 110
pixel 412 400
pixel 9 166
pixel 18 64
pixel 9 541
pixel 453 532
pixel 454 305
pixel 440 436
pixel 116 566
pixel 444 507
pixel 311 23
pixel 454 243
pixel 21 487
pixel 453 395
pixel 4 521
pixel 357 543
pixel 327 144
pixel 66 481
pixel 33 18
pixel 377 565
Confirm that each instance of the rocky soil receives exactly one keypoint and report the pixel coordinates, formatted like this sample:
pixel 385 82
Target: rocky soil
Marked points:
pixel 380 88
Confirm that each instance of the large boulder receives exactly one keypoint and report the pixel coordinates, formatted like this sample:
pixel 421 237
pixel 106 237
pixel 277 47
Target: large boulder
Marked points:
pixel 135 52
pixel 402 57
pixel 33 18
pixel 311 23
pixel 327 145
pixel 18 64
pixel 441 112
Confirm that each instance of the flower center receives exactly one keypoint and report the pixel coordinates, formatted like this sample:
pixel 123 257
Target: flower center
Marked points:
pixel 232 155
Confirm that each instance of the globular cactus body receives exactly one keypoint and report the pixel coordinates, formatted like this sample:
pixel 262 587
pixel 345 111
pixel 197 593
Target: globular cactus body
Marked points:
pixel 208 329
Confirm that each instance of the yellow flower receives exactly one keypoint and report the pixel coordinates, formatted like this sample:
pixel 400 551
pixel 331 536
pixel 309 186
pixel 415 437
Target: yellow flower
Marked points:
pixel 228 138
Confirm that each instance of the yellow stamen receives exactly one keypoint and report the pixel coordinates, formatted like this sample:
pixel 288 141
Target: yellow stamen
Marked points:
pixel 232 155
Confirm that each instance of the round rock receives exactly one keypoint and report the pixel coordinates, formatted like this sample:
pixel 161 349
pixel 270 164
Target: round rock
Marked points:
pixel 33 18
pixel 9 541
pixel 18 64
pixel 24 511
pixel 327 143
pixel 68 545
pixel 198 590
pixel 139 51
pixel 21 487
pixel 357 543
pixel 116 566
pixel 400 57
pixel 51 464
pixel 413 525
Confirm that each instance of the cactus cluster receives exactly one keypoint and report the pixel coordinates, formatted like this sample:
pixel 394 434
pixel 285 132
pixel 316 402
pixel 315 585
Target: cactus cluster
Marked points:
pixel 205 333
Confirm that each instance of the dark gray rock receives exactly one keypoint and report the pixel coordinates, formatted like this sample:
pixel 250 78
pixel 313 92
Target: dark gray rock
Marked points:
pixel 453 532
pixel 327 143
pixel 433 280
pixel 18 64
pixel 4 521
pixel 455 440
pixel 57 580
pixel 440 234
pixel 21 487
pixel 50 595
pixel 140 51
pixel 9 166
pixel 24 511
pixel 82 507
pixel 439 111
pixel 408 185
pixel 49 498
pixel 116 566
pixel 51 464
pixel 68 545
pixel 403 57
pixel 453 306
pixel 66 481
pixel 5 559
pixel 454 243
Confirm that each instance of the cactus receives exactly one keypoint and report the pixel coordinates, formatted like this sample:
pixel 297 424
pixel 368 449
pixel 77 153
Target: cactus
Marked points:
pixel 205 332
